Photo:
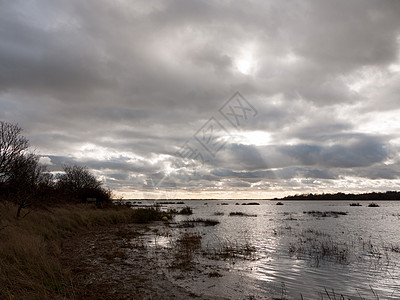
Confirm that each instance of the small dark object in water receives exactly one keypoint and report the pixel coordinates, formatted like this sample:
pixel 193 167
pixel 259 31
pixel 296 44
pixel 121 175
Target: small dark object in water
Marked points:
pixel 251 203
pixel 241 214
pixel 279 203
pixel 373 205
pixel 185 211
pixel 355 204
pixel 205 222
pixel 324 214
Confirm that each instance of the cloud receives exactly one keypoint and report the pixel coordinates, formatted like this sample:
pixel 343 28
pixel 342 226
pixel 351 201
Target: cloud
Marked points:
pixel 46 161
pixel 121 86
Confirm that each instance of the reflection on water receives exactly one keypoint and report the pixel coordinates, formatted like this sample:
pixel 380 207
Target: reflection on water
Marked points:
pixel 299 254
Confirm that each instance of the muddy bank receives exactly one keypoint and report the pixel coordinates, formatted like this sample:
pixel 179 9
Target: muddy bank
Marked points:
pixel 113 263
pixel 143 262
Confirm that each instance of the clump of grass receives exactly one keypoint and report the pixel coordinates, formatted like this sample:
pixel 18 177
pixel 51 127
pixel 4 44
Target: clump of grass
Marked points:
pixel 218 213
pixel 315 232
pixel 231 251
pixel 148 214
pixel 187 245
pixel 201 221
pixel 324 214
pixel 318 246
pixel 170 202
pixel 186 211
pixel 372 204
pixel 290 218
pixel 240 214
pixel 205 222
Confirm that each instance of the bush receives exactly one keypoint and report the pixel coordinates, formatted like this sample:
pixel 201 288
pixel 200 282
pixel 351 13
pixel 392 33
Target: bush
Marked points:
pixel 186 211
pixel 80 184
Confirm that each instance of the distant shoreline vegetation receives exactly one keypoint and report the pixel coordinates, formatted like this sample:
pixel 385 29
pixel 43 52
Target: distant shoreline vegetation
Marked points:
pixel 376 196
pixel 382 196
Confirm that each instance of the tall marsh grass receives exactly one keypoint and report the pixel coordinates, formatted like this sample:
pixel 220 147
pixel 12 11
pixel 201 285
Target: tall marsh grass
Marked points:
pixel 30 247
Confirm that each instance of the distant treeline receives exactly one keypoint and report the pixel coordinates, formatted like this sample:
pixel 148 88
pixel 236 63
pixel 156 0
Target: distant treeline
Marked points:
pixel 389 195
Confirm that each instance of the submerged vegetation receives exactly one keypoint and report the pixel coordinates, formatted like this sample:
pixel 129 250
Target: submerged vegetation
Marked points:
pixel 193 222
pixel 324 214
pixel 318 246
pixel 231 251
pixel 205 222
pixel 184 211
pixel 240 214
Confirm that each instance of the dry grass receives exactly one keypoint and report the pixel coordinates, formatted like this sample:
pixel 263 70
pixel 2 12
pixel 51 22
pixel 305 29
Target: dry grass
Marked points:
pixel 30 247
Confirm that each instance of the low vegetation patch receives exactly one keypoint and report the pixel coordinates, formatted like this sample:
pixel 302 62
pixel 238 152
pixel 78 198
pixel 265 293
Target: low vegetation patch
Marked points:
pixel 218 213
pixel 324 214
pixel 187 245
pixel 170 202
pixel 319 246
pixel 231 251
pixel 148 214
pixel 199 221
pixel 205 222
pixel 240 214
pixel 184 211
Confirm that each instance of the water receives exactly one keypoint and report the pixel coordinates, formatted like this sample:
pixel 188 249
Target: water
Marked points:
pixel 300 254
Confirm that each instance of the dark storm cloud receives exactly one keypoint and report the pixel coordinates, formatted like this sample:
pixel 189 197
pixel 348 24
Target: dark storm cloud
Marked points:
pixel 347 151
pixel 353 151
pixel 120 86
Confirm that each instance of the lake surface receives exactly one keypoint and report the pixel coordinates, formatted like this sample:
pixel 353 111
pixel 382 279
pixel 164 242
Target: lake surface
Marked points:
pixel 295 253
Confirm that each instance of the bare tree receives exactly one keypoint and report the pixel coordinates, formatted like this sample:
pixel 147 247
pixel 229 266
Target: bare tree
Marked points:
pixel 79 183
pixel 26 178
pixel 76 178
pixel 12 146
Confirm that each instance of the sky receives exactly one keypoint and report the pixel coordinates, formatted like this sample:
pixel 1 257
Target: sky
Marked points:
pixel 208 99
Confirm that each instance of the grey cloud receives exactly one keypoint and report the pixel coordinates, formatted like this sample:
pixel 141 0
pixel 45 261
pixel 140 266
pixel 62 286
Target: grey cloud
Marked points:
pixel 135 80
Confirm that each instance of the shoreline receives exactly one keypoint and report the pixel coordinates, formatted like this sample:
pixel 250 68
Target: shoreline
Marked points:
pixel 124 262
